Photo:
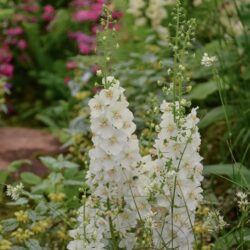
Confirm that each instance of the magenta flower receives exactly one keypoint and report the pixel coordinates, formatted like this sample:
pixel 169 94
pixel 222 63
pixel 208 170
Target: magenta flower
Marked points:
pixel 86 15
pixel 48 13
pixel 97 7
pixel 22 44
pixel 117 14
pixel 16 31
pixel 6 70
pixel 84 48
pixel 86 44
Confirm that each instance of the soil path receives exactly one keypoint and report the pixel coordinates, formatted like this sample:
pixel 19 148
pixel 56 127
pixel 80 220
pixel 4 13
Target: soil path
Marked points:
pixel 25 143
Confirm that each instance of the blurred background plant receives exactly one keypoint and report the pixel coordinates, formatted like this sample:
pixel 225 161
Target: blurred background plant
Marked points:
pixel 37 41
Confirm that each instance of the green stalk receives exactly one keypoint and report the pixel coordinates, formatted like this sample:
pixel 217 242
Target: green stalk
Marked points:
pixel 112 230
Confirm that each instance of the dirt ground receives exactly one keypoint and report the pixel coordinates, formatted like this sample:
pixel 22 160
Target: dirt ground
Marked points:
pixel 25 143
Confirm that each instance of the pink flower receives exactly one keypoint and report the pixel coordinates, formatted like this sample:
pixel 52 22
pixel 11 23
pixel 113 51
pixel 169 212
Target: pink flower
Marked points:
pixel 97 7
pixel 6 70
pixel 117 14
pixel 22 44
pixel 95 28
pixel 86 15
pixel 5 55
pixel 16 31
pixel 71 65
pixel 84 48
pixel 48 13
pixel 80 37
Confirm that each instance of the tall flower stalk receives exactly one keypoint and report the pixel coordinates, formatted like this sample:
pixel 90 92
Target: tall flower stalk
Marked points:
pixel 110 214
pixel 177 188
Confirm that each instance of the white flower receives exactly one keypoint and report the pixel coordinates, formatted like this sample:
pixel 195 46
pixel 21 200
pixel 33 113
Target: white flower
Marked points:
pixel 242 201
pixel 15 191
pixel 75 245
pixel 110 95
pixel 214 221
pixel 97 105
pixel 114 144
pixel 118 114
pixel 99 72
pixel 102 126
pixel 208 61
pixel 128 241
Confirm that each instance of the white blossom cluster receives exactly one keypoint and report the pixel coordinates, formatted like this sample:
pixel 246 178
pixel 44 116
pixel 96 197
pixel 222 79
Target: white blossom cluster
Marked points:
pixel 116 200
pixel 174 178
pixel 242 200
pixel 208 61
pixel 153 11
pixel 214 221
pixel 15 191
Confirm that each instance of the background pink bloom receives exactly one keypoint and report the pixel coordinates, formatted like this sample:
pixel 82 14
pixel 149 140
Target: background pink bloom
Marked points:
pixel 117 14
pixel 6 70
pixel 86 15
pixel 16 31
pixel 48 13
pixel 84 48
pixel 22 44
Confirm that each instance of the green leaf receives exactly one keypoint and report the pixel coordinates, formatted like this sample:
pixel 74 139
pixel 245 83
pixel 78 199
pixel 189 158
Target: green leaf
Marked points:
pixel 57 164
pixel 30 178
pixel 58 29
pixel 41 208
pixel 55 178
pixel 238 173
pixel 20 201
pixel 203 90
pixel 42 187
pixel 231 239
pixel 46 120
pixel 35 47
pixel 33 245
pixel 215 115
pixel 9 224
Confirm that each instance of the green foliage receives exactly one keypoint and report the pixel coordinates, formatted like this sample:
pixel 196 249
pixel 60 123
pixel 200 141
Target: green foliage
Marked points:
pixel 44 210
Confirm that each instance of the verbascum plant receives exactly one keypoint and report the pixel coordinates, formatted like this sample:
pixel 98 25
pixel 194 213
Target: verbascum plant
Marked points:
pixel 176 175
pixel 110 215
